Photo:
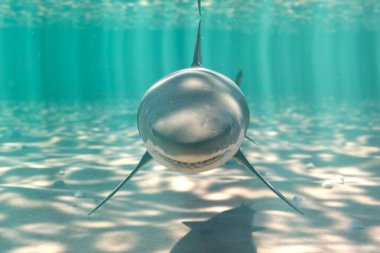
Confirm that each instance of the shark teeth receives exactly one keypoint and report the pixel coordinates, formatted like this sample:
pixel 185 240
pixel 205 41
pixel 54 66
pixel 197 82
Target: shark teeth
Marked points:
pixel 192 165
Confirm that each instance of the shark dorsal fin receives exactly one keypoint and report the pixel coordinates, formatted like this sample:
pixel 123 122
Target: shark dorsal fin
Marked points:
pixel 197 60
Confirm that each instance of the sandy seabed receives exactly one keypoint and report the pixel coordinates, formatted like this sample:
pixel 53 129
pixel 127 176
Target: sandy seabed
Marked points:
pixel 58 161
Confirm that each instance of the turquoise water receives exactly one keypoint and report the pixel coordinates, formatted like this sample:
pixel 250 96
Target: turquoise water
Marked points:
pixel 115 50
pixel 72 73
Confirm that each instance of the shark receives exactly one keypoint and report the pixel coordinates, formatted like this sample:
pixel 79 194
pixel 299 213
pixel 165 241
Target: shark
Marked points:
pixel 194 120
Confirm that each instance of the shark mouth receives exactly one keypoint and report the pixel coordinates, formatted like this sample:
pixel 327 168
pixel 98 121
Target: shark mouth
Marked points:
pixel 194 165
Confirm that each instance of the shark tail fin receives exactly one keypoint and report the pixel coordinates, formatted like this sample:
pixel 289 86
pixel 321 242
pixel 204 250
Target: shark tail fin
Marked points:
pixel 240 157
pixel 144 160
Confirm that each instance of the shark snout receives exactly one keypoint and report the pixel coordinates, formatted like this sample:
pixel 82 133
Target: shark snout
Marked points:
pixel 192 135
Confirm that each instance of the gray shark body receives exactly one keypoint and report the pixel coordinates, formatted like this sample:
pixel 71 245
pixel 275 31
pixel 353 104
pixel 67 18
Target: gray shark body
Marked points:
pixel 194 120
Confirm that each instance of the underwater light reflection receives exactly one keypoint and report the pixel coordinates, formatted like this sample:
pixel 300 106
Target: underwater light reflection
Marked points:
pixel 95 224
pixel 43 228
pixel 117 241
pixel 46 246
pixel 182 184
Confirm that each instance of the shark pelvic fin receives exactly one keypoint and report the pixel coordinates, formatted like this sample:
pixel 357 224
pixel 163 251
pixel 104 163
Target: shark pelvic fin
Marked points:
pixel 240 157
pixel 239 78
pixel 144 160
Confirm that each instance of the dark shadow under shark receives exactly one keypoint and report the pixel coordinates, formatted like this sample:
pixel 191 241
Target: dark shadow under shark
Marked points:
pixel 227 232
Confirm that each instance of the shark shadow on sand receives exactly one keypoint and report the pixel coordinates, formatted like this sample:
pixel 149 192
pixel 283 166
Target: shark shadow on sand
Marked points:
pixel 227 232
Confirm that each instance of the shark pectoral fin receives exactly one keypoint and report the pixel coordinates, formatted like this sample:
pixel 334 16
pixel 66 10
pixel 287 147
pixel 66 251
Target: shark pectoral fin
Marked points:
pixel 240 157
pixel 239 78
pixel 253 141
pixel 144 160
